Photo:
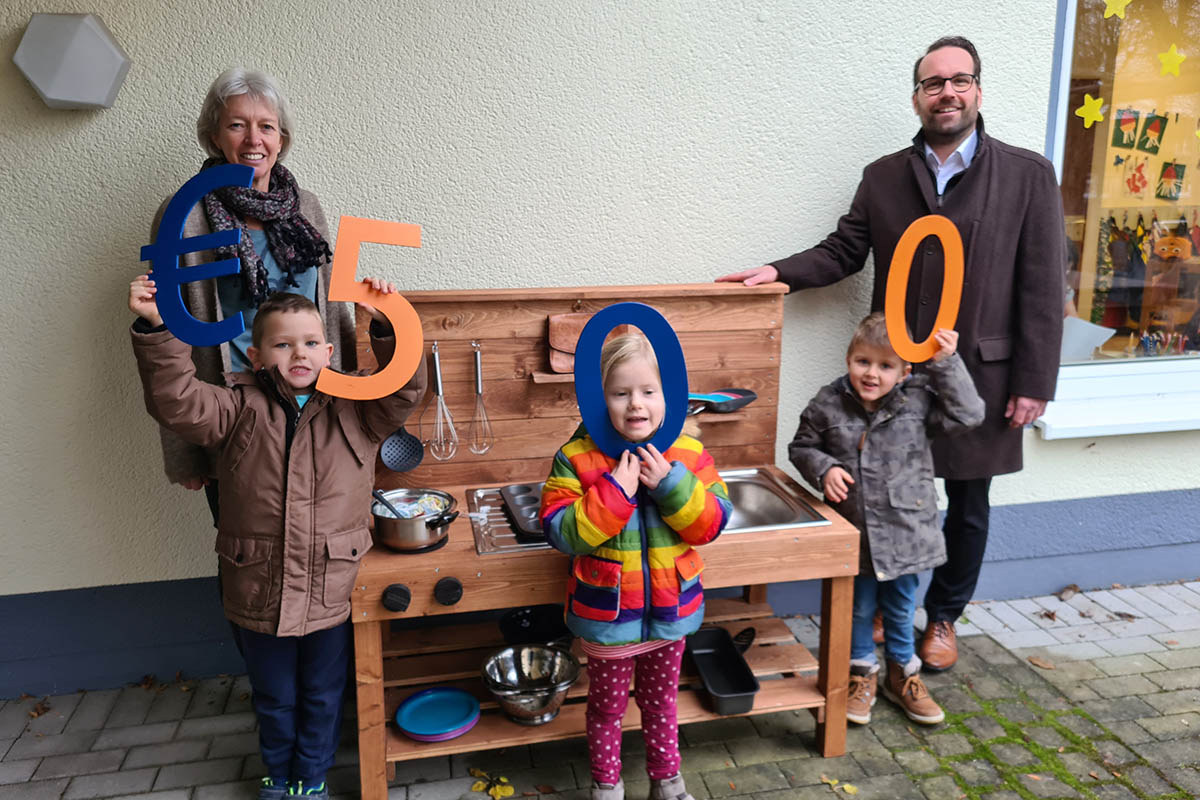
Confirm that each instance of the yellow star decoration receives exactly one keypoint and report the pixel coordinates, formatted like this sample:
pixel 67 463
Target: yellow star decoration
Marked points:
pixel 1171 61
pixel 1090 110
pixel 1115 7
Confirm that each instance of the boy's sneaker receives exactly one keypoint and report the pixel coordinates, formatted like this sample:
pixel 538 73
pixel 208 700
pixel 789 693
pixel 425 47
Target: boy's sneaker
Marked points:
pixel 904 687
pixel 864 681
pixel 272 789
pixel 608 791
pixel 316 791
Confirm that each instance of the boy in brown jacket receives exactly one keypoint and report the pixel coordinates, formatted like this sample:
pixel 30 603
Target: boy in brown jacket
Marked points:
pixel 295 470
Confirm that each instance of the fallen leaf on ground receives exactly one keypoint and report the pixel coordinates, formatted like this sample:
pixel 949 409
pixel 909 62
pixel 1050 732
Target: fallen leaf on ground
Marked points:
pixel 1040 662
pixel 41 708
pixel 545 788
pixel 179 676
pixel 1118 586
pixel 478 786
pixel 1116 774
pixel 244 696
pixel 1048 614
pixel 731 786
pixel 475 772
pixel 1085 614
pixel 1094 775
pixel 1067 592
pixel 849 788
pixel 25 696
pixel 830 781
pixel 1062 749
pixel 147 682
pixel 1033 777
pixel 1171 642
pixel 1125 615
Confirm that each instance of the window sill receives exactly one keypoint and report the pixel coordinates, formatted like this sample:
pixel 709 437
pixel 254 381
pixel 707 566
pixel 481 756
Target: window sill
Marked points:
pixel 1122 397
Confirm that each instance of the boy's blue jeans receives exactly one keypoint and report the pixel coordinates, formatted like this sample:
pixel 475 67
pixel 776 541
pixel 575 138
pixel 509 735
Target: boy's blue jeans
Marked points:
pixel 897 602
pixel 298 683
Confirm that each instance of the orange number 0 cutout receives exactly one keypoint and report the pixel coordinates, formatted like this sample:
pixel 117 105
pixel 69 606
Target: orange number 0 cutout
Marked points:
pixel 897 285
pixel 410 341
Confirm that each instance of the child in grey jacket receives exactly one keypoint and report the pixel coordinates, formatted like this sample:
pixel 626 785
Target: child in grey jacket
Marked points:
pixel 864 439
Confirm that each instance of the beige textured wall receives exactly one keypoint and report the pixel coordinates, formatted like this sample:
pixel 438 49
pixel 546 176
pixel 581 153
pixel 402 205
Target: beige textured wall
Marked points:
pixel 538 144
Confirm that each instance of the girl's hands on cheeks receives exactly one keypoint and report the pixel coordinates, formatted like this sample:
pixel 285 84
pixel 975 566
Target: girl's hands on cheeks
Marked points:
pixel 653 466
pixel 625 473
pixel 141 300
pixel 836 484
pixel 381 286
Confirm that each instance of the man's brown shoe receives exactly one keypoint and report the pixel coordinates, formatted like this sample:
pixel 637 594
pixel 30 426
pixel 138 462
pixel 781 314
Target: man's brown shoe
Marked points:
pixel 904 687
pixel 877 628
pixel 864 680
pixel 939 646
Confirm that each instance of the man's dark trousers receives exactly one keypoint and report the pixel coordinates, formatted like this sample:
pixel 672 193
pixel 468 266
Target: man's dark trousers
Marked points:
pixel 966 530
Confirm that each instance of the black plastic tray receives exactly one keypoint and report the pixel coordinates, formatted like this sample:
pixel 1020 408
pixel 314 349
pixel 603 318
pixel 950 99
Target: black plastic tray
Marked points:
pixel 726 675
pixel 522 501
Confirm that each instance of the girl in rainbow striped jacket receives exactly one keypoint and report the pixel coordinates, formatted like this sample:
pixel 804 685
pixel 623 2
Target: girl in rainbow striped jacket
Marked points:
pixel 634 592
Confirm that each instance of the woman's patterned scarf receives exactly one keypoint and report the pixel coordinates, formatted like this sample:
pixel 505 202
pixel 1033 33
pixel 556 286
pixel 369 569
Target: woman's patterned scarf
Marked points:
pixel 295 243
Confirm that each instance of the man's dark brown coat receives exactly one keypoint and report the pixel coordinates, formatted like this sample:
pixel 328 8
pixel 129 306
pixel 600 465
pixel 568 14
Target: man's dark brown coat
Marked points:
pixel 1008 211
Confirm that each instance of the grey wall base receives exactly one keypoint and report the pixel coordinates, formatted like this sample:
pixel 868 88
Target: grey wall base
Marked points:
pixel 104 637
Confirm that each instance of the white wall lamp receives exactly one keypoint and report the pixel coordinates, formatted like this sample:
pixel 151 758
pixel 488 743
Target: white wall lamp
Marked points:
pixel 72 60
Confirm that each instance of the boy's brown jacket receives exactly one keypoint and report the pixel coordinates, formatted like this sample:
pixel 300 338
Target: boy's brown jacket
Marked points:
pixel 295 486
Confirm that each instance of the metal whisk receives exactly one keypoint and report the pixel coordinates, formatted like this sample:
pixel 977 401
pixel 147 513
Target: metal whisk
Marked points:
pixel 479 435
pixel 438 433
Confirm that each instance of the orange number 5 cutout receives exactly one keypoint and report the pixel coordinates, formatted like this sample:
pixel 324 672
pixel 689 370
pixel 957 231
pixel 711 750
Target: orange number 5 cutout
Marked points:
pixel 897 285
pixel 410 342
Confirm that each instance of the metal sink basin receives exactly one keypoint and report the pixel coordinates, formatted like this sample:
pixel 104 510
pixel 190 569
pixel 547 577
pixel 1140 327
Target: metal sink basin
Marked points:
pixel 761 502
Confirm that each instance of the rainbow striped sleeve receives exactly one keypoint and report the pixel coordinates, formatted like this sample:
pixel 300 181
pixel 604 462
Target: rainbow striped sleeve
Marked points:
pixel 692 499
pixel 575 521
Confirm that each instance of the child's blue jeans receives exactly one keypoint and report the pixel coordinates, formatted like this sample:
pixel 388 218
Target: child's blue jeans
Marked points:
pixel 298 683
pixel 897 602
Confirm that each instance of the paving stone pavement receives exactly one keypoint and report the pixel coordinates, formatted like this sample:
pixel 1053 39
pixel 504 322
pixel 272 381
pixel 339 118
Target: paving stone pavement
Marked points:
pixel 1117 717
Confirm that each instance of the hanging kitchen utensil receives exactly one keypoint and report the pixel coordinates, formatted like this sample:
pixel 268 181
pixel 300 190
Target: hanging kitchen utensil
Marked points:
pixel 437 426
pixel 479 435
pixel 401 451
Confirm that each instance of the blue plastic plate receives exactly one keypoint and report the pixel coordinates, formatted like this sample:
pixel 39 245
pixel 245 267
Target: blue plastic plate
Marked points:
pixel 437 712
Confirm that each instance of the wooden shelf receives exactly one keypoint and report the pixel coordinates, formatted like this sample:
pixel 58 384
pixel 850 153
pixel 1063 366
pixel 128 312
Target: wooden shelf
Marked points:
pixel 452 656
pixel 552 377
pixel 497 731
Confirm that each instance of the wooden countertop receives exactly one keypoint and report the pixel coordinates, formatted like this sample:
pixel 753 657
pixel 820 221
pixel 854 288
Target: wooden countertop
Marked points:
pixel 529 577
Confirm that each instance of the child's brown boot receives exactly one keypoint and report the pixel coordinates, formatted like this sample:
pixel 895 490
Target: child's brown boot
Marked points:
pixel 904 687
pixel 864 680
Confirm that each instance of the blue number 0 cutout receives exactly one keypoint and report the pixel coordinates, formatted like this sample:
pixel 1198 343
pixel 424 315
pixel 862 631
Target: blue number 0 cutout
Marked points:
pixel 589 390
pixel 164 253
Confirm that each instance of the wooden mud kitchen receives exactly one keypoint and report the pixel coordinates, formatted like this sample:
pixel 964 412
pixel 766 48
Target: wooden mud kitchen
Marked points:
pixel 730 336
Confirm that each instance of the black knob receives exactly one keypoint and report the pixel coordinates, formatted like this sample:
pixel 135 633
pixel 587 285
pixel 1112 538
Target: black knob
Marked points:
pixel 448 591
pixel 397 597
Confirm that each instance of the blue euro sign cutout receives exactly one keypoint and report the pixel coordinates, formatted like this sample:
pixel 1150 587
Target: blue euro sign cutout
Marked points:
pixel 589 388
pixel 164 253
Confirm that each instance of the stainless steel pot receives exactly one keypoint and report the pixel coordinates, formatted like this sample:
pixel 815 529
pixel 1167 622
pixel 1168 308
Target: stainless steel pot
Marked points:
pixel 416 533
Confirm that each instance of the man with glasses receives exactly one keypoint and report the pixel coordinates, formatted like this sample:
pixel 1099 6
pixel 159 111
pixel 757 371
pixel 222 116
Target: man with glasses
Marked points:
pixel 1005 203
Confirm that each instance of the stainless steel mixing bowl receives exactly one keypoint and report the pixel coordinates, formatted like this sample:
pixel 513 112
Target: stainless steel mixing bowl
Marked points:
pixel 530 681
